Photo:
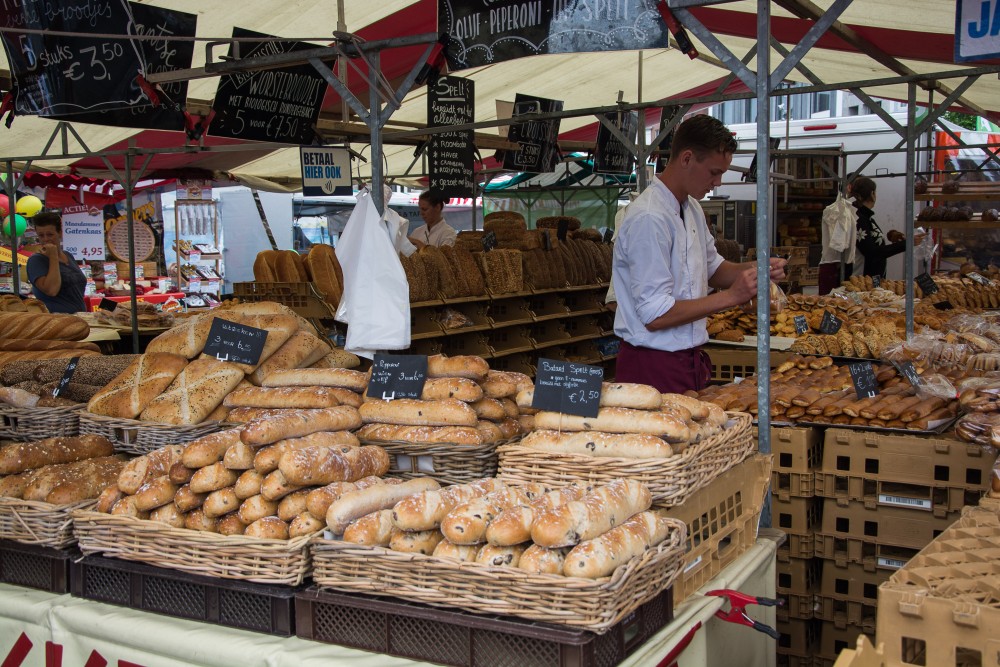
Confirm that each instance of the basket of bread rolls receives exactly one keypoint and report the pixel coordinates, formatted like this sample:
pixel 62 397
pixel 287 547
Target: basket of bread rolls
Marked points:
pixel 578 556
pixel 25 415
pixel 451 433
pixel 672 443
pixel 44 481
pixel 235 503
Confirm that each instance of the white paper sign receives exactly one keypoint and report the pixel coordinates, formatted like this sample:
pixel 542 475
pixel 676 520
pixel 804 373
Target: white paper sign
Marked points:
pixel 977 30
pixel 83 232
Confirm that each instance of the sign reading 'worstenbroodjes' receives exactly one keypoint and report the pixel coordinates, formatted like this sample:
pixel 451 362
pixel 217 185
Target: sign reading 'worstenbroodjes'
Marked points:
pixel 490 31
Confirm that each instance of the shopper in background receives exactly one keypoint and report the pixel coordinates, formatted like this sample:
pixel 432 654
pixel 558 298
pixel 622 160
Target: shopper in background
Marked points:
pixel 436 231
pixel 55 277
pixel 871 243
pixel 665 261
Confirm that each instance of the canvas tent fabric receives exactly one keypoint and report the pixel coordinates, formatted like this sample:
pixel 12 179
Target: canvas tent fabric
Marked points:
pixel 918 32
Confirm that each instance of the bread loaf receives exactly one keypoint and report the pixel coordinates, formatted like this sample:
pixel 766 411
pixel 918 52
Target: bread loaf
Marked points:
pixel 270 527
pixel 462 552
pixel 248 484
pixel 596 513
pixel 43 326
pixel 618 420
pixel 187 500
pixel 319 500
pixel 489 432
pixel 24 344
pixel 19 398
pixel 91 370
pixel 239 457
pixel 322 465
pixel 231 524
pixel 209 449
pixel 12 486
pixel 467 366
pixel 81 480
pixel 463 389
pixel 597 443
pixel 459 435
pixel 500 556
pixel 373 530
pixel 275 486
pixel 630 395
pixel 343 378
pixel 168 514
pixel 267 458
pixel 490 409
pixel 539 560
pixel 293 504
pixel 196 520
pixel 256 507
pixel 299 423
pixel 414 542
pixel 468 523
pixel 212 478
pixel 425 510
pixel 501 384
pixel 321 262
pixel 179 473
pixel 447 412
pixel 146 378
pixel 598 557
pixel 281 397
pixel 155 493
pixel 513 524
pixel 304 524
pixel 19 457
pixel 194 393
pixel 294 353
pixel 509 428
pixel 357 503
pixel 147 467
pixel 263 267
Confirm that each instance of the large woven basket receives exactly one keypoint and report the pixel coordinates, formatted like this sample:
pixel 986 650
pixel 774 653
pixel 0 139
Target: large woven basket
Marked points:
pixel 589 604
pixel 254 559
pixel 138 437
pixel 39 423
pixel 671 480
pixel 37 522
pixel 448 463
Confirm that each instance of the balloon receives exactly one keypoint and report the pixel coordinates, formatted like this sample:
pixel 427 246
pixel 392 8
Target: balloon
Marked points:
pixel 20 225
pixel 28 206
pixel 4 206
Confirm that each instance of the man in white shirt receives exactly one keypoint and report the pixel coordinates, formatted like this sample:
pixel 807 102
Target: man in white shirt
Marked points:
pixel 435 231
pixel 665 261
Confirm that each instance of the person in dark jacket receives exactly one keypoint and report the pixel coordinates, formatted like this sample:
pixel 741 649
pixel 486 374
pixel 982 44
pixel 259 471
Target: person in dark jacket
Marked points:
pixel 870 242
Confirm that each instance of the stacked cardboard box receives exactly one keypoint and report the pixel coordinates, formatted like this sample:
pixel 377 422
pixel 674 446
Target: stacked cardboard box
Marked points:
pixel 885 496
pixel 797 512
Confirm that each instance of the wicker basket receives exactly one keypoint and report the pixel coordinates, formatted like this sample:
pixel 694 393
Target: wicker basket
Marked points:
pixel 37 522
pixel 589 604
pixel 38 423
pixel 448 463
pixel 210 554
pixel 138 437
pixel 671 480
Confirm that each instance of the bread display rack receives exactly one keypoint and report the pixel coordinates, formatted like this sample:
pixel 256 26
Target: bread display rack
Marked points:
pixel 133 436
pixel 197 222
pixel 449 463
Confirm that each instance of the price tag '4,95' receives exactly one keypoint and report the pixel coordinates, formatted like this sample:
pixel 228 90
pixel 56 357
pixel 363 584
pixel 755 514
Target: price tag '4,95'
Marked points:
pixel 563 386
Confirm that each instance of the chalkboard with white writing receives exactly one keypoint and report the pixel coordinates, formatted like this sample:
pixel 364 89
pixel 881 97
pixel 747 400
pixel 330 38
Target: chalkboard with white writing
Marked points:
pixel 238 343
pixel 451 156
pixel 397 376
pixel 926 283
pixel 863 376
pixel 567 387
pixel 611 156
pixel 538 150
pixel 830 324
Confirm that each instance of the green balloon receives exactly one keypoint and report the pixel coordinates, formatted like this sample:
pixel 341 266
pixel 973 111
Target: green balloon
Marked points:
pixel 20 225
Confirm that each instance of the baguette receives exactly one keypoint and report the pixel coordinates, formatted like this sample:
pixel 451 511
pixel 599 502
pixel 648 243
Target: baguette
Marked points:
pixel 596 443
pixel 322 465
pixel 598 557
pixel 212 478
pixel 299 423
pixel 425 510
pixel 209 449
pixel 155 493
pixel 147 467
pixel 595 514
pixel 613 395
pixel 12 486
pixel 281 397
pixel 618 420
pixel 357 503
pixel 24 345
pixel 447 412
pixel 82 480
pixel 293 353
pixel 304 524
pixel 699 409
pixel 373 530
pixel 145 378
pixel 256 507
pixel 346 396
pixel 460 435
pixel 243 415
pixel 42 326
pixel 318 501
pixel 267 458
pixel 269 527
pixel 414 542
pixel 473 368
pixel 355 381
pixel 539 560
pixel 16 458
pixel 19 398
pixel 194 393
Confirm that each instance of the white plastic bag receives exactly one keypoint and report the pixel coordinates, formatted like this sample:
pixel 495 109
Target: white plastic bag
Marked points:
pixel 376 300
pixel 840 220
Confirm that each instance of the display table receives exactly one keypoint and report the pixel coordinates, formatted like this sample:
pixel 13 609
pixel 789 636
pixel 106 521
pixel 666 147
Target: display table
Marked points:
pixel 77 628
pixel 94 301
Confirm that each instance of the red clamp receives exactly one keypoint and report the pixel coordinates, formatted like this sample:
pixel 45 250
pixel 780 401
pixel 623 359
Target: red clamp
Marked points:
pixel 7 106
pixel 684 42
pixel 737 609
pixel 148 89
pixel 195 126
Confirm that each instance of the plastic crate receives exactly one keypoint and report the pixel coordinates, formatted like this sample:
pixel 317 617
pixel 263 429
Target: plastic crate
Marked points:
pixel 800 516
pixel 228 602
pixel 792 606
pixel 729 363
pixel 872 556
pixel 885 524
pixel 421 632
pixel 845 613
pixel 834 640
pixel 799 575
pixel 852 581
pixel 797 546
pixel 33 566
pixel 798 637
pixel 300 297
pixel 939 500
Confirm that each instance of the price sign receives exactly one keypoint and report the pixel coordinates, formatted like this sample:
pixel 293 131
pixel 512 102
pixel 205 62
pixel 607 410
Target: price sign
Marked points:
pixel 563 386
pixel 397 376
pixel 489 241
pixel 926 283
pixel 238 343
pixel 944 305
pixel 909 371
pixel 801 324
pixel 877 281
pixel 67 376
pixel 108 305
pixel 863 376
pixel 978 278
pixel 830 324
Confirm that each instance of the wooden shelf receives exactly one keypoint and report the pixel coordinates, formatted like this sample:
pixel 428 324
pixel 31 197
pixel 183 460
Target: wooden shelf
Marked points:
pixel 960 224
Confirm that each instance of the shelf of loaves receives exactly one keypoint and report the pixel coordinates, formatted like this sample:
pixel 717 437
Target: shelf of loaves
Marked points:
pixel 975 223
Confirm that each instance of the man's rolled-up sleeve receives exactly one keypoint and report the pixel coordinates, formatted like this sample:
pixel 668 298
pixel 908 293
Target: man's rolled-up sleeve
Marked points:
pixel 648 257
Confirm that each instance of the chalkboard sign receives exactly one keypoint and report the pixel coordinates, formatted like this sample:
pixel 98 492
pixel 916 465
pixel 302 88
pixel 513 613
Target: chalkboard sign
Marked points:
pixel 944 305
pixel 567 387
pixel 909 371
pixel 451 156
pixel 489 241
pixel 90 78
pixel 397 376
pixel 876 281
pixel 67 376
pixel 108 305
pixel 491 31
pixel 801 324
pixel 611 156
pixel 537 149
pixel 926 283
pixel 830 323
pixel 268 105
pixel 978 278
pixel 238 343
pixel 863 376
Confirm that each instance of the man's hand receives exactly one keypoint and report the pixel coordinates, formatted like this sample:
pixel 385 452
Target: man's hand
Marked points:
pixel 895 236
pixel 417 242
pixel 778 265
pixel 744 287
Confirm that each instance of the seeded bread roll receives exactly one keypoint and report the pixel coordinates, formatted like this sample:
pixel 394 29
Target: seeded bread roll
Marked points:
pixel 187 500
pixel 127 395
pixel 598 511
pixel 179 473
pixel 500 556
pixel 539 560
pixel 490 409
pixel 513 524
pixel 212 478
pixel 248 484
pixel 140 470
pixel 276 487
pixel 468 523
pixel 373 530
pixel 155 493
pixel 463 552
pixel 196 520
pixel 231 524
pixel 313 466
pixel 209 449
pixel 618 420
pixel 19 457
pixel 168 514
pixel 270 527
pixel 425 510
pixel 503 384
pixel 19 398
pixel 267 458
pixel 105 501
pixel 74 482
pixel 256 507
pixel 126 507
pixel 318 501
pixel 293 504
pixel 239 457
pixel 598 557
pixel 419 542
pixel 597 443
pixel 220 502
pixel 304 524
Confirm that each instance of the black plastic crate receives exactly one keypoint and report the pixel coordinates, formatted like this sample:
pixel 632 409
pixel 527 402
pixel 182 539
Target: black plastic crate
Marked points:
pixel 33 566
pixel 421 632
pixel 236 604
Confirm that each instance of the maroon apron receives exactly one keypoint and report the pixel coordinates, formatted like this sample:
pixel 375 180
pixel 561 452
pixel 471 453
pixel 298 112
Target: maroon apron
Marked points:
pixel 669 372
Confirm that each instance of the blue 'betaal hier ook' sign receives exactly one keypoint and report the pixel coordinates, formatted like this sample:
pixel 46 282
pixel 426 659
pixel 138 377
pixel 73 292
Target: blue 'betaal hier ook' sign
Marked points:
pixel 977 30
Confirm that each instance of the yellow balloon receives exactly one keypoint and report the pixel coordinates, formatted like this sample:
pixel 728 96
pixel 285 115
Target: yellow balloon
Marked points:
pixel 28 206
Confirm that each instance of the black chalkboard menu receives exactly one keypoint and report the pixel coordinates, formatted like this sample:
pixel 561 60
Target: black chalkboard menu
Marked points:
pixel 397 376
pixel 280 105
pixel 238 343
pixel 93 79
pixel 611 156
pixel 538 150
pixel 451 156
pixel 567 387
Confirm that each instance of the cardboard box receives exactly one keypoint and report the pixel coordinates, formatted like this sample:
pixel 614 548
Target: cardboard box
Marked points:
pixel 870 555
pixel 941 501
pixel 896 526
pixel 721 519
pixel 799 575
pixel 938 460
pixel 800 516
pixel 842 613
pixel 851 582
pixel 833 640
pixel 798 637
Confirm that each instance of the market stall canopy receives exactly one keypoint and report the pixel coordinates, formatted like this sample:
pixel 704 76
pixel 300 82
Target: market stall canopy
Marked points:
pixel 871 40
